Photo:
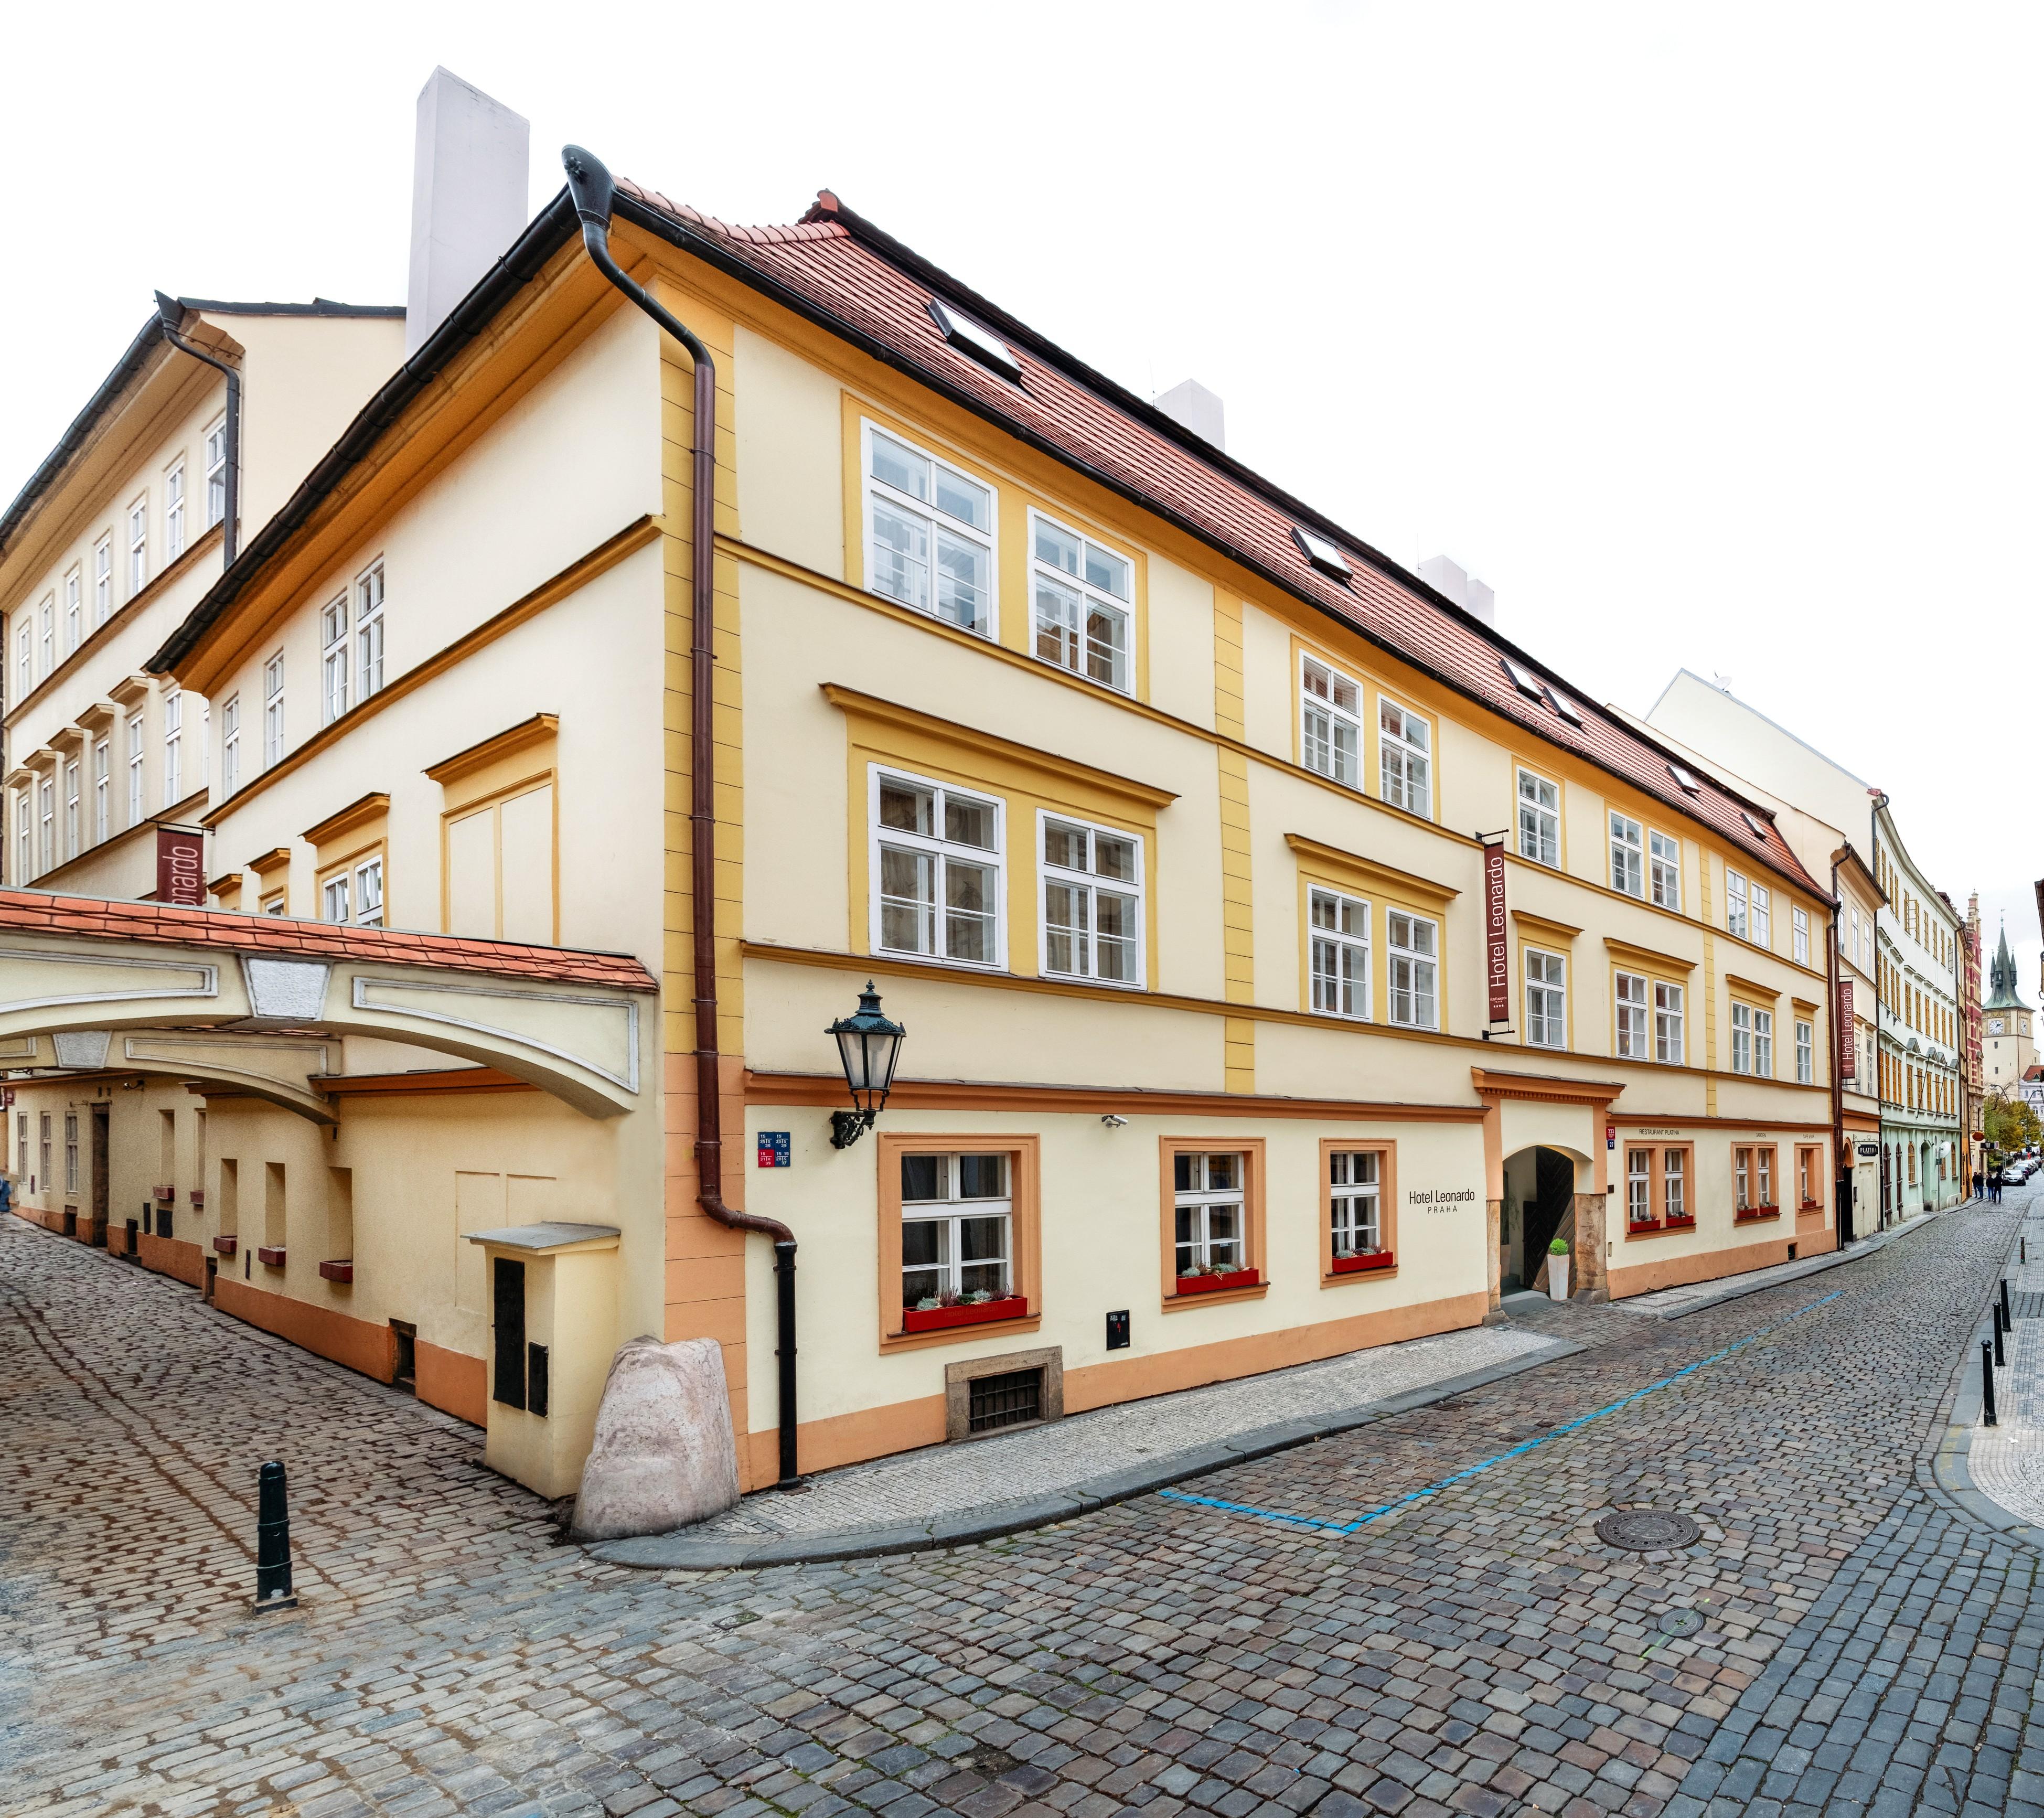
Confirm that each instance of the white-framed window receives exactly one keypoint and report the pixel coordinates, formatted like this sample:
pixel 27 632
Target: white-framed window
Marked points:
pixel 1084 598
pixel 103 581
pixel 1674 1183
pixel 957 1228
pixel 1211 1233
pixel 173 511
pixel 1631 992
pixel 1806 1053
pixel 1405 742
pixel 936 854
pixel 74 805
pixel 135 771
pixel 24 841
pixel 46 622
pixel 138 546
pixel 73 587
pixel 1763 1043
pixel 1665 864
pixel 273 710
pixel 1412 948
pixel 334 659
pixel 1628 856
pixel 1546 999
pixel 369 631
pixel 355 896
pixel 929 534
pixel 1668 1024
pixel 1741 1180
pixel 1742 1038
pixel 174 734
pixel 47 791
pixel 70 1151
pixel 1763 933
pixel 1639 1186
pixel 25 646
pixel 1330 722
pixel 102 767
pixel 230 744
pixel 1339 962
pixel 333 899
pixel 1735 905
pixel 1354 1200
pixel 216 473
pixel 1092 884
pixel 1799 936
pixel 1539 820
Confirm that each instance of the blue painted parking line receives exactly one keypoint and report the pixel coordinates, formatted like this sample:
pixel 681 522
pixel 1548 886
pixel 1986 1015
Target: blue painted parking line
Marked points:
pixel 1315 1524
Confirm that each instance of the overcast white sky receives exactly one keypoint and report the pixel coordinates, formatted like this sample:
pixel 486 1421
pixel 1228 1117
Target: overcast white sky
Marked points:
pixel 1706 335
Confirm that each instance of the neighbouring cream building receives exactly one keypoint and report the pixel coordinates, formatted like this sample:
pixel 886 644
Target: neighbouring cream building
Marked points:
pixel 1284 956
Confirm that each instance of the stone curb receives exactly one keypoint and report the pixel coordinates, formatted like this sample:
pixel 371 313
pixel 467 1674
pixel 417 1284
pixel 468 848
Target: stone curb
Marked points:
pixel 1943 1466
pixel 681 1551
pixel 1739 1290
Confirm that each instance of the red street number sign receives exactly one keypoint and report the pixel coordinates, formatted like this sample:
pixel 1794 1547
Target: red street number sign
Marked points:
pixel 180 867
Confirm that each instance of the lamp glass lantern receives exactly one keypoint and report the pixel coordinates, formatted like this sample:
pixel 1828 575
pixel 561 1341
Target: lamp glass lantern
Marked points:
pixel 868 1046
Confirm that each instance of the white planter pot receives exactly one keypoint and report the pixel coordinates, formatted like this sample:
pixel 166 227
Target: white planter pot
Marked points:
pixel 1558 1278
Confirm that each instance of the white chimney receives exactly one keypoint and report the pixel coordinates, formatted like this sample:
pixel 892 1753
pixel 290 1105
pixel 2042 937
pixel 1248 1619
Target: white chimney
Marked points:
pixel 1454 580
pixel 1199 409
pixel 468 196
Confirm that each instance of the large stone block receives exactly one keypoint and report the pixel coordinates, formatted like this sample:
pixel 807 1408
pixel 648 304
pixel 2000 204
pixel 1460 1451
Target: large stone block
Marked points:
pixel 663 1455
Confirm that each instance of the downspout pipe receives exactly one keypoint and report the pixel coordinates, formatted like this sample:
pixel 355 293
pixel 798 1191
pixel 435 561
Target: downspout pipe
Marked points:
pixel 594 191
pixel 170 317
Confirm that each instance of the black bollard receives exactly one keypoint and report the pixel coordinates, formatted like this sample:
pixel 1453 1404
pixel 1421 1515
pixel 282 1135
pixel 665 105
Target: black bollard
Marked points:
pixel 273 1541
pixel 1987 1382
pixel 2007 1323
pixel 2000 1356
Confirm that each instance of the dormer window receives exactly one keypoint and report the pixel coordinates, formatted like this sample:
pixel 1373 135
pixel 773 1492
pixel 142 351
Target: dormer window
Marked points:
pixel 1322 554
pixel 1753 820
pixel 1687 779
pixel 1566 708
pixel 1523 679
pixel 974 342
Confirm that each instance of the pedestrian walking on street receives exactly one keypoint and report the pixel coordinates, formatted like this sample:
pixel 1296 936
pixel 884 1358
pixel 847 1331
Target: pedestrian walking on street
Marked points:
pixel 1980 1180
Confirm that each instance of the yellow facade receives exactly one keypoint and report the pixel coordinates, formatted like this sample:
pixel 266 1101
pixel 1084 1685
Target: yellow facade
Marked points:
pixel 520 771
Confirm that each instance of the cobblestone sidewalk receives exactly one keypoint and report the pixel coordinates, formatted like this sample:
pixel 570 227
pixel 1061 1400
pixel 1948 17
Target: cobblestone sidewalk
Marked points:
pixel 1675 1303
pixel 1838 1640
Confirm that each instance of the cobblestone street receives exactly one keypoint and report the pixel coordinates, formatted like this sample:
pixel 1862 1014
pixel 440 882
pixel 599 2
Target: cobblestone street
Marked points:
pixel 1839 1640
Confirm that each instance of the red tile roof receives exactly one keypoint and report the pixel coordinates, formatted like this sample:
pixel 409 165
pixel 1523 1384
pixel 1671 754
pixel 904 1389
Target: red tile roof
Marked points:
pixel 279 937
pixel 844 271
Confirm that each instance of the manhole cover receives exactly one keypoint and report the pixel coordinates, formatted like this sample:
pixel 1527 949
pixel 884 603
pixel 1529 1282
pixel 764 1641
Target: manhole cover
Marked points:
pixel 1681 1622
pixel 1647 1530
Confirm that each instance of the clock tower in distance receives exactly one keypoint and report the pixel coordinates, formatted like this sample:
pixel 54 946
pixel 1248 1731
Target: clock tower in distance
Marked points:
pixel 2008 1042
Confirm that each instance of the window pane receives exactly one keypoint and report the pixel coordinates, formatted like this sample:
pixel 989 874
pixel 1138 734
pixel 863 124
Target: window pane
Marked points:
pixel 900 557
pixel 923 1176
pixel 969 822
pixel 983 1177
pixel 982 1239
pixel 907 922
pixel 900 468
pixel 1058 611
pixel 969 896
pixel 965 500
pixel 1107 572
pixel 905 806
pixel 1116 919
pixel 963 569
pixel 1223 1173
pixel 1107 645
pixel 1114 858
pixel 1057 548
pixel 1065 945
pixel 1065 846
pixel 1184 1175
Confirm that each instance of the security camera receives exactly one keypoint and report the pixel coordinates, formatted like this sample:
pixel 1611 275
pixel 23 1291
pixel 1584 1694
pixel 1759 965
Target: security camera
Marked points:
pixel 1113 1122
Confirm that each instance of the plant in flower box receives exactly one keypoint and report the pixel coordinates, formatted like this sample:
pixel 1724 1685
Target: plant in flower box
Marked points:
pixel 1349 1260
pixel 953 1307
pixel 1210 1277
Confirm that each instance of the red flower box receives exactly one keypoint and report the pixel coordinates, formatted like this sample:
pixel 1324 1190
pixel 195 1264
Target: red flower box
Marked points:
pixel 1688 1223
pixel 1810 1205
pixel 198 1196
pixel 163 1195
pixel 916 1319
pixel 268 1258
pixel 1214 1284
pixel 225 1245
pixel 1355 1265
pixel 1645 1224
pixel 1756 1215
pixel 338 1271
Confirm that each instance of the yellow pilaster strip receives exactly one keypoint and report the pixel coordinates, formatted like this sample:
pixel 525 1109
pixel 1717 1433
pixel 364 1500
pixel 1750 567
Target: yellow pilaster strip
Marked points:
pixel 1238 931
pixel 1710 997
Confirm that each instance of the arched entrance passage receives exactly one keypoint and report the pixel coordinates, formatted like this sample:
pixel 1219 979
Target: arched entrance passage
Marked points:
pixel 1541 1184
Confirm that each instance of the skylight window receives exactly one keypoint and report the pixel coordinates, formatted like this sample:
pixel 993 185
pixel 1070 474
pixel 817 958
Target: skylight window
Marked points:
pixel 1759 827
pixel 974 342
pixel 1566 708
pixel 1686 779
pixel 1523 678
pixel 1321 553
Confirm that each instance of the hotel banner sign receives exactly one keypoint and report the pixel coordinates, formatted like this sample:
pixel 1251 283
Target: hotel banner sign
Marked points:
pixel 180 867
pixel 1848 1036
pixel 1497 962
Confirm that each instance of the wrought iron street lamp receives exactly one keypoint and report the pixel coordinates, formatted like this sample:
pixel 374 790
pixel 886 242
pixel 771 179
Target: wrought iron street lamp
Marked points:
pixel 869 1045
